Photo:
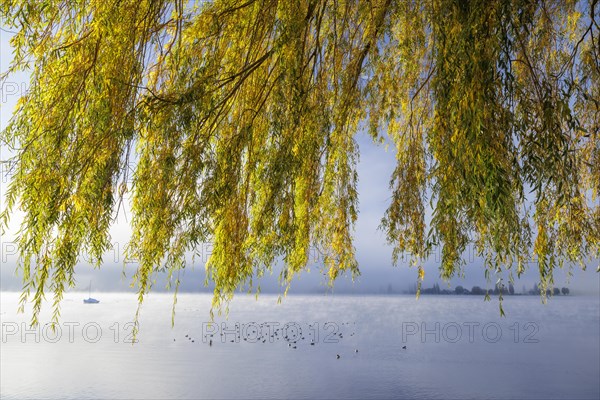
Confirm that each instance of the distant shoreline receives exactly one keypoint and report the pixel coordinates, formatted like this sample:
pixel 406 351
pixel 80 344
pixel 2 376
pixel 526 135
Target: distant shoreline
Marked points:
pixel 294 294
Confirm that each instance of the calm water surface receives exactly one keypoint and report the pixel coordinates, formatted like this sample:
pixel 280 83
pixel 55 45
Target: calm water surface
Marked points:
pixel 456 347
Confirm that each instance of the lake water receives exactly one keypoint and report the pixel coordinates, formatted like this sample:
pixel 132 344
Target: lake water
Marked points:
pixel 456 347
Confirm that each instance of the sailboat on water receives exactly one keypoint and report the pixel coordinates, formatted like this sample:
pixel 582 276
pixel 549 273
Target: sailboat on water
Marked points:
pixel 90 300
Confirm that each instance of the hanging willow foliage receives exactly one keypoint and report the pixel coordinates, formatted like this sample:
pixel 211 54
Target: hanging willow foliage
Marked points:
pixel 241 116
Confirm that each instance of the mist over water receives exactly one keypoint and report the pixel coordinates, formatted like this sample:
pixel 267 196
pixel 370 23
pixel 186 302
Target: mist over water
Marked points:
pixel 456 347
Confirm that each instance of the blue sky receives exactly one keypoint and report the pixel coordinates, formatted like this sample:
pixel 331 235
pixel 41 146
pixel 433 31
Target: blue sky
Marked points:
pixel 373 254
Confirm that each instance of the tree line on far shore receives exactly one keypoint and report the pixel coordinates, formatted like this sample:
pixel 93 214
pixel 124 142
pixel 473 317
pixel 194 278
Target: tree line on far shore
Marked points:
pixel 498 289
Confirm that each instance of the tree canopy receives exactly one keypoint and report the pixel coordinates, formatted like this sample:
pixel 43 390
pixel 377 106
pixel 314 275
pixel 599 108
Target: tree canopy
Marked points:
pixel 241 116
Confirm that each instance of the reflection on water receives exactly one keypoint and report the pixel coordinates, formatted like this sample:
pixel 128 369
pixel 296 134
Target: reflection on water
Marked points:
pixel 456 347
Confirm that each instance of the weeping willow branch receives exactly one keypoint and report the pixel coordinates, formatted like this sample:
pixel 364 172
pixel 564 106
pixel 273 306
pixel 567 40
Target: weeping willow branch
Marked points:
pixel 241 117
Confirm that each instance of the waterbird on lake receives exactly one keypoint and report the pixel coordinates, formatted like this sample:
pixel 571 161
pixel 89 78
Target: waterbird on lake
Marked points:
pixel 404 347
pixel 356 351
pixel 338 356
